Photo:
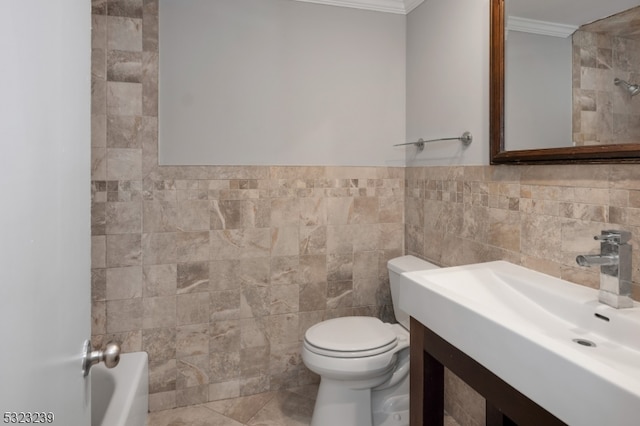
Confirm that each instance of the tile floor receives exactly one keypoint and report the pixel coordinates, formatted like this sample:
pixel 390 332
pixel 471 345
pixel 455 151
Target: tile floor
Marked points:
pixel 292 407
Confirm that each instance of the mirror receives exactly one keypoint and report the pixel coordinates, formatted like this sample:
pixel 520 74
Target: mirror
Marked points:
pixel 574 129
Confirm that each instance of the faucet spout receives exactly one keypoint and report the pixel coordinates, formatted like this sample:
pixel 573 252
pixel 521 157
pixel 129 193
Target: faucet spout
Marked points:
pixel 614 261
pixel 597 260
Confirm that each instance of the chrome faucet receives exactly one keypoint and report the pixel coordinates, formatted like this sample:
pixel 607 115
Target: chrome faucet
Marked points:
pixel 615 268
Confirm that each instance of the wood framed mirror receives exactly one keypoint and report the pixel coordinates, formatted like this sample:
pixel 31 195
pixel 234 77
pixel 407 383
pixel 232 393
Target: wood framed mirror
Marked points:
pixel 576 150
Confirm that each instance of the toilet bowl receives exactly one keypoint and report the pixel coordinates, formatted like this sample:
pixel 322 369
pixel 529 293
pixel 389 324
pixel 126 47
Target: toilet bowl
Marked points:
pixel 363 363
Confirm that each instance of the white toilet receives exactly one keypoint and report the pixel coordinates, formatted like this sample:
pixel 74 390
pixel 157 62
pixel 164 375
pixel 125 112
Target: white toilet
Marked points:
pixel 363 363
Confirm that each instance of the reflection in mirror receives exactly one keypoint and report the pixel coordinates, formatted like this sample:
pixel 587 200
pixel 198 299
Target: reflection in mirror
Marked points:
pixel 563 76
pixel 608 52
pixel 537 89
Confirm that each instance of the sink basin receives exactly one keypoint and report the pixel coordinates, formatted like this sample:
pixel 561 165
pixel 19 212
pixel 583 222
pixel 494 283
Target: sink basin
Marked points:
pixel 548 338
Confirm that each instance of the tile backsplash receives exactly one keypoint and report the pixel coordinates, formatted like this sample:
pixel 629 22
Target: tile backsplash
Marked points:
pixel 217 271
pixel 537 216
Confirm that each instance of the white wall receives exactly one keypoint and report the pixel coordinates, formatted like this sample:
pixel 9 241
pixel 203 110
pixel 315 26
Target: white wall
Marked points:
pixel 448 80
pixel 538 100
pixel 280 82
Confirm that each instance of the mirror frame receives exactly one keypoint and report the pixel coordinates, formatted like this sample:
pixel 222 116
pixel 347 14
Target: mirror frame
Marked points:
pixel 619 153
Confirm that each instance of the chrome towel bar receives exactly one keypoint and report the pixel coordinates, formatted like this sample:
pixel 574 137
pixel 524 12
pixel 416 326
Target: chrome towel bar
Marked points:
pixel 466 140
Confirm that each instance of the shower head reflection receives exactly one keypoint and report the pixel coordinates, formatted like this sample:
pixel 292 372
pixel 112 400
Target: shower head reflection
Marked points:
pixel 632 89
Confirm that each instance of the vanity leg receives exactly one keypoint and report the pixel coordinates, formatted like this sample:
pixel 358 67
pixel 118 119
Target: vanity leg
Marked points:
pixel 434 391
pixel 427 383
pixel 416 375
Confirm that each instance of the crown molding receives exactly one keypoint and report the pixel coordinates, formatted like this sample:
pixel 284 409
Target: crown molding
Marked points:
pixel 401 7
pixel 552 29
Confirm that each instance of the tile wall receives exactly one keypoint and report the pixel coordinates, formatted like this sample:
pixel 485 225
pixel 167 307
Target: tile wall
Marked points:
pixel 541 217
pixel 217 272
pixel 602 112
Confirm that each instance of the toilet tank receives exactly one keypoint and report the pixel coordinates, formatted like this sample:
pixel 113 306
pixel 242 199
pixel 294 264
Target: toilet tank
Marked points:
pixel 396 267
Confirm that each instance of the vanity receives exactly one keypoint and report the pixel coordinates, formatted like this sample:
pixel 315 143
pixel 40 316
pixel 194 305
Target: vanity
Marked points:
pixel 541 350
pixel 430 354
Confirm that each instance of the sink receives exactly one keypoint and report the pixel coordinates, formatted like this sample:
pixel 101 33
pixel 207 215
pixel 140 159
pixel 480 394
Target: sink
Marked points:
pixel 548 338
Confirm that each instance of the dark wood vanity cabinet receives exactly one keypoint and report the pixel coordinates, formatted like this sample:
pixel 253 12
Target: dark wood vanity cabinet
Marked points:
pixel 430 354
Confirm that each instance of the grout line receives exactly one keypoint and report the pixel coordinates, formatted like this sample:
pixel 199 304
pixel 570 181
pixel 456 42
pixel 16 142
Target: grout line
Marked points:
pixel 242 397
pixel 275 394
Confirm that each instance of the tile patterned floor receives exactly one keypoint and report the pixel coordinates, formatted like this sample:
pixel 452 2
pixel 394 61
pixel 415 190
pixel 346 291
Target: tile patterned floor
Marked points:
pixel 291 407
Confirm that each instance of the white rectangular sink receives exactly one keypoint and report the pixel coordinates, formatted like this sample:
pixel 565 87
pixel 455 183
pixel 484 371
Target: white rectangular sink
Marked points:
pixel 548 338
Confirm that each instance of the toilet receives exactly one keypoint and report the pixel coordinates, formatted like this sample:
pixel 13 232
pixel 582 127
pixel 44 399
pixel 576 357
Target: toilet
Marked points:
pixel 363 363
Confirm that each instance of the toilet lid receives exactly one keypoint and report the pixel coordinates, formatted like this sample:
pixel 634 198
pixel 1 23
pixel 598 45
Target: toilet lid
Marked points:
pixel 352 335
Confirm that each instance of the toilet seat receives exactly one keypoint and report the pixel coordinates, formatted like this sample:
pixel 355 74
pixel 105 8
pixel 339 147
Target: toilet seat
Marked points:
pixel 350 337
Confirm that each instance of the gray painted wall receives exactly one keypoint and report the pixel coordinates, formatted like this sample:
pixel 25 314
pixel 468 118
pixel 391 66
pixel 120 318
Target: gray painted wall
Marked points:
pixel 280 82
pixel 448 80
pixel 538 101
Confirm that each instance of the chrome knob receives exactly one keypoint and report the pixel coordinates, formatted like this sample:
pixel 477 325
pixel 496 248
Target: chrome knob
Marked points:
pixel 110 356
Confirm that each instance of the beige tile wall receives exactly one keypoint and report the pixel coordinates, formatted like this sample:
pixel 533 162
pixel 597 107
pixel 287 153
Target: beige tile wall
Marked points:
pixel 541 217
pixel 602 112
pixel 217 272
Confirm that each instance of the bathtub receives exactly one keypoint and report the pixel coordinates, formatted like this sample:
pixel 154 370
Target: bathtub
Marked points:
pixel 120 396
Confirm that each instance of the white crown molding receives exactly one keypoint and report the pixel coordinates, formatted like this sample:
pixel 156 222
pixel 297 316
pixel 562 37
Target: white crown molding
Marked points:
pixel 401 7
pixel 552 29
